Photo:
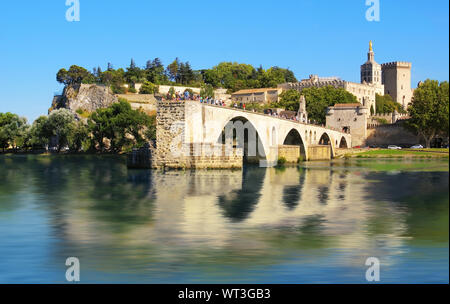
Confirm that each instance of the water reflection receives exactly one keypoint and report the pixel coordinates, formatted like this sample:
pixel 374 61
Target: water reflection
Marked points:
pixel 221 225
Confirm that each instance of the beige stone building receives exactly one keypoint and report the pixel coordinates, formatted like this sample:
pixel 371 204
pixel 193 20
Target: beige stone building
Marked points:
pixel 396 77
pixel 389 78
pixel 350 118
pixel 265 95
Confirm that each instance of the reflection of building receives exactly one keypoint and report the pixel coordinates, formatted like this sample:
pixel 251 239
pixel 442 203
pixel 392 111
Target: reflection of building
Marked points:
pixel 266 95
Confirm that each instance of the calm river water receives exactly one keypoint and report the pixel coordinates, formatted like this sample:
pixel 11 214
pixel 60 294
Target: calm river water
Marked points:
pixel 317 223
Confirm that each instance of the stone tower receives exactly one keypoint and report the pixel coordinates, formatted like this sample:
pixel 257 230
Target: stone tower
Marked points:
pixel 397 81
pixel 371 70
pixel 302 114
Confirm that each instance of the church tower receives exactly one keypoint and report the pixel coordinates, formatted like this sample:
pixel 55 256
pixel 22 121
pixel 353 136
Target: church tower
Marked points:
pixel 371 70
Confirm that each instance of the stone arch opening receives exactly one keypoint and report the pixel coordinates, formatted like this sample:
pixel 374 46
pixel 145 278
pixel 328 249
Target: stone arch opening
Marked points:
pixel 240 133
pixel 343 144
pixel 325 140
pixel 293 138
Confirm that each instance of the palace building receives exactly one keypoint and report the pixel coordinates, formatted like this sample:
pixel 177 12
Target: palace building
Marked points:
pixel 389 78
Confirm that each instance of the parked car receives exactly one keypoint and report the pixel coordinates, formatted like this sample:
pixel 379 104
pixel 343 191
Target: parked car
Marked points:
pixel 394 147
pixel 417 147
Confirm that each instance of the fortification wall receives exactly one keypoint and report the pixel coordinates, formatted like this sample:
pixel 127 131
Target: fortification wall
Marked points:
pixel 395 134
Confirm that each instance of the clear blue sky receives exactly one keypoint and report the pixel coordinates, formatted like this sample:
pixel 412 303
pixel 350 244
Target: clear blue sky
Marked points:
pixel 325 37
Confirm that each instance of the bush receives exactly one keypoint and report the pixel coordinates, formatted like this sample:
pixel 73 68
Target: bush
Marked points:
pixel 281 161
pixel 300 159
pixel 148 88
pixel 132 90
pixel 118 89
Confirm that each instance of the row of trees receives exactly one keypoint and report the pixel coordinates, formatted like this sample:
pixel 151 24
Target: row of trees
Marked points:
pixel 110 129
pixel 232 76
pixel 317 100
pixel 385 104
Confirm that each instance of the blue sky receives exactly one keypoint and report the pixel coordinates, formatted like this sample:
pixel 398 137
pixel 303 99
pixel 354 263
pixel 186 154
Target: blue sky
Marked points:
pixel 325 37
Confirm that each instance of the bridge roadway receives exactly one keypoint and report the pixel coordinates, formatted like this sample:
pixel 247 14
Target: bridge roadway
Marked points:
pixel 205 123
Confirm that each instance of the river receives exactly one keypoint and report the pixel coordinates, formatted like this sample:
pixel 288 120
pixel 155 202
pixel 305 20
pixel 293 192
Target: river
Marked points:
pixel 313 223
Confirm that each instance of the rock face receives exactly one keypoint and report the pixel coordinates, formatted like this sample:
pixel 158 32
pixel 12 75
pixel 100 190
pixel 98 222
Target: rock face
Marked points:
pixel 87 97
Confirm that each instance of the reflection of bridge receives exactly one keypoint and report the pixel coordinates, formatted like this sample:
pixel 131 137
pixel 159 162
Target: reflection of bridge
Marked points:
pixel 206 124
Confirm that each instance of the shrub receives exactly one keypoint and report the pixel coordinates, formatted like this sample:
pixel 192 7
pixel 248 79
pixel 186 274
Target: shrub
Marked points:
pixel 300 159
pixel 148 88
pixel 132 90
pixel 281 161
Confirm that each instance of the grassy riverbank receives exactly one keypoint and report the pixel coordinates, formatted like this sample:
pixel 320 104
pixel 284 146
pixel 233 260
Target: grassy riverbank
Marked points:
pixel 405 153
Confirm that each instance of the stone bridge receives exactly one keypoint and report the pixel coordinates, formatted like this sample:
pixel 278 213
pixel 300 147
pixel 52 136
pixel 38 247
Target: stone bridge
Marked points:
pixel 194 123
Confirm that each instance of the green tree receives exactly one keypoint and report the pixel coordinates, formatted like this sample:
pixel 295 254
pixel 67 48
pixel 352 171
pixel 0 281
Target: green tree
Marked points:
pixel 39 133
pixel 75 75
pixel 207 90
pixel 385 104
pixel 148 88
pixel 79 137
pixel 172 70
pixel 429 110
pixel 289 100
pixel 155 72
pixel 13 130
pixel 317 100
pixel 61 123
pixel 120 124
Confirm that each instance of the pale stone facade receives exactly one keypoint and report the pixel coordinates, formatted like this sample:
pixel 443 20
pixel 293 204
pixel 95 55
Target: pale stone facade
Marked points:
pixel 349 118
pixel 265 95
pixel 397 82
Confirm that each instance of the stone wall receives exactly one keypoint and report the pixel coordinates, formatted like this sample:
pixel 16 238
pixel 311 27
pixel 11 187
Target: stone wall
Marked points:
pixel 394 134
pixel 319 152
pixel 290 153
pixel 173 151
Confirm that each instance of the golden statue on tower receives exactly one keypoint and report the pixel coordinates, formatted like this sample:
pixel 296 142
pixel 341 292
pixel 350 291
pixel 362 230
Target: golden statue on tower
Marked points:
pixel 370 46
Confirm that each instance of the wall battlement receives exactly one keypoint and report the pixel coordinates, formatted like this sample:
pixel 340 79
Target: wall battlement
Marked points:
pixel 396 64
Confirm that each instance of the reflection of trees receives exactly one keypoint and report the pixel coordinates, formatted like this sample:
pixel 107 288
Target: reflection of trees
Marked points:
pixel 102 186
pixel 13 178
pixel 424 202
pixel 238 204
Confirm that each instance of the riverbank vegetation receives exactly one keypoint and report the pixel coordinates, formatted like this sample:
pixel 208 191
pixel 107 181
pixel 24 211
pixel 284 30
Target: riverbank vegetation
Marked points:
pixel 404 153
pixel 115 129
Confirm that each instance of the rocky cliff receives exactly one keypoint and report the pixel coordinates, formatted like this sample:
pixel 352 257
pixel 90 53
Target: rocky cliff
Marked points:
pixel 87 97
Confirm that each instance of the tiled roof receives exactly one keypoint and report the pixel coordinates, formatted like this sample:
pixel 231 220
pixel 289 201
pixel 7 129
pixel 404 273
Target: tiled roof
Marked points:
pixel 250 91
pixel 347 105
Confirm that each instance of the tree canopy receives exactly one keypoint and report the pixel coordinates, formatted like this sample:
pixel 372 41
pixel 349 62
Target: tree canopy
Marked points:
pixel 230 75
pixel 317 100
pixel 429 110
pixel 385 104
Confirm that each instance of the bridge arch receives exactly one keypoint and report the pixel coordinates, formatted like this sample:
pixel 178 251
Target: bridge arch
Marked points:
pixel 294 138
pixel 241 133
pixel 327 140
pixel 343 144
